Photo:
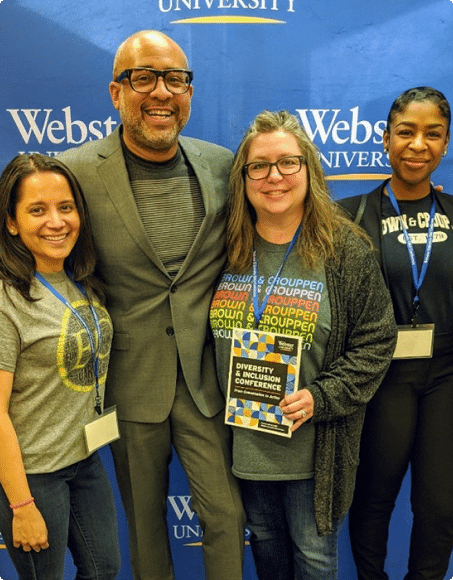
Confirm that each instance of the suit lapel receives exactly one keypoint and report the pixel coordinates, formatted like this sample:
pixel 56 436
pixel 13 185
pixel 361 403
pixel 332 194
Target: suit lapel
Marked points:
pixel 113 173
pixel 204 176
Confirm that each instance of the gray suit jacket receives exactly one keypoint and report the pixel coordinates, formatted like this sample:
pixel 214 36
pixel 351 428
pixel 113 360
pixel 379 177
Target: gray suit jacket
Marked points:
pixel 155 318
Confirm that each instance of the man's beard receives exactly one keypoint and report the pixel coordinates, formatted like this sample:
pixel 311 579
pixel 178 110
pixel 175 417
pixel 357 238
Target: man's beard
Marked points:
pixel 153 139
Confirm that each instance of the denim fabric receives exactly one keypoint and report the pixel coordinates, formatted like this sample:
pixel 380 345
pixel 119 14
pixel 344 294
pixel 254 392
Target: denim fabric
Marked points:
pixel 284 541
pixel 78 508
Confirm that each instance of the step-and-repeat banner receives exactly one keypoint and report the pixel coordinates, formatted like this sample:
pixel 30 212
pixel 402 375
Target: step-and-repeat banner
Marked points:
pixel 336 64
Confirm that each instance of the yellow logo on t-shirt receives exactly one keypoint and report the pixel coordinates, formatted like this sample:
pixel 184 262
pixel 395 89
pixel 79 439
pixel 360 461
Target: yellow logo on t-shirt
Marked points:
pixel 74 355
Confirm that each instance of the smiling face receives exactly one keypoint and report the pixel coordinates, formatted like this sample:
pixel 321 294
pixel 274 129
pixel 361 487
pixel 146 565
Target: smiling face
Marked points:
pixel 416 141
pixel 277 199
pixel 151 121
pixel 46 219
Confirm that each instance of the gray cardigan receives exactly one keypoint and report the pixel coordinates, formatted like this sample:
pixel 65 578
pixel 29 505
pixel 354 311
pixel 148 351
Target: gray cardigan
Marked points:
pixel 358 353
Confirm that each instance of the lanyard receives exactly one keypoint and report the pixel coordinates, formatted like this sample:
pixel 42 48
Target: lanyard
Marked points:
pixel 257 309
pixel 94 351
pixel 417 277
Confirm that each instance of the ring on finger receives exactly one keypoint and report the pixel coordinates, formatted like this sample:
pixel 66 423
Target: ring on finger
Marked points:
pixel 303 414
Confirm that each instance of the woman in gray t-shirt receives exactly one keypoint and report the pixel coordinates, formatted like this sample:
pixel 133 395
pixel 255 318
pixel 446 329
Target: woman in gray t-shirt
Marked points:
pixel 298 272
pixel 55 337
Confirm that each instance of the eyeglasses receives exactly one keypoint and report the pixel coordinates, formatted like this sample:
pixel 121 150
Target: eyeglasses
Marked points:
pixel 144 80
pixel 285 166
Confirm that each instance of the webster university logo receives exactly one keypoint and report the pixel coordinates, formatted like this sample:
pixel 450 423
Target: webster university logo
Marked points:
pixel 58 128
pixel 275 5
pixel 227 11
pixel 347 142
pixel 187 528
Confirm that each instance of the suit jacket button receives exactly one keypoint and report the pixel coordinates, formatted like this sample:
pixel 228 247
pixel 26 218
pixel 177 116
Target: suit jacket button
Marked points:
pixel 170 330
pixel 173 289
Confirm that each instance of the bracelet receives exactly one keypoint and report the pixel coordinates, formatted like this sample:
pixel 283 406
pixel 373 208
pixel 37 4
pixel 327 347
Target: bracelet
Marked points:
pixel 14 506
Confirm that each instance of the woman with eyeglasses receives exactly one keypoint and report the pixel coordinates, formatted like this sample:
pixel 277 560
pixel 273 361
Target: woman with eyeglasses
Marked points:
pixel 304 333
pixel 55 337
pixel 410 420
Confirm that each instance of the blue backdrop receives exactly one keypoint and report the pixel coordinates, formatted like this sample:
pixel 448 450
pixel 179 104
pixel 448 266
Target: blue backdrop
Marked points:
pixel 336 64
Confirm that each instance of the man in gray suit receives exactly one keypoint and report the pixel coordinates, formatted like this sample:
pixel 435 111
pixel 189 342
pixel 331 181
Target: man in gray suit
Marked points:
pixel 157 203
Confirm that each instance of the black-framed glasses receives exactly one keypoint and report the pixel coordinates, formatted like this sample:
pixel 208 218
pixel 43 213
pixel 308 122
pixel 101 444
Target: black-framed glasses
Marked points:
pixel 285 166
pixel 144 79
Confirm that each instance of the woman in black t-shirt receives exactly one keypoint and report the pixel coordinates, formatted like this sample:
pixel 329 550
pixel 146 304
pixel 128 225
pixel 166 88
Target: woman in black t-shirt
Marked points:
pixel 409 421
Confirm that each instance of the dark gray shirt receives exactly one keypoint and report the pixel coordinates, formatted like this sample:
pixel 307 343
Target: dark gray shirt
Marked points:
pixel 169 203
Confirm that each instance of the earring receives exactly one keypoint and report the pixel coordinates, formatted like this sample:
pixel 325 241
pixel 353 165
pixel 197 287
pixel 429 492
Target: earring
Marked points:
pixel 444 154
pixel 386 150
pixel 12 231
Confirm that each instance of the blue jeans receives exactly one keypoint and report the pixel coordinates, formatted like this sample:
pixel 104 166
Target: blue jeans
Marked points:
pixel 284 541
pixel 78 507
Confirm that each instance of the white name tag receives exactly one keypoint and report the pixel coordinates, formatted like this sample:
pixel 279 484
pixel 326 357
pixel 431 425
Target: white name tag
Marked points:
pixel 415 342
pixel 102 430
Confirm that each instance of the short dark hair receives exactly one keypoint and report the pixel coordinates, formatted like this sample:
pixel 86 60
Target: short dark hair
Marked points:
pixel 17 263
pixel 420 94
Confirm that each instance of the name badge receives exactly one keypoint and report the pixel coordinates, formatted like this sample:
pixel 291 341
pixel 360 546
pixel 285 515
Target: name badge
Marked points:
pixel 415 342
pixel 102 430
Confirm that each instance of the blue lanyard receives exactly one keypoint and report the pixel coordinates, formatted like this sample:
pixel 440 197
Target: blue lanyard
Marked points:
pixel 417 277
pixel 257 309
pixel 94 351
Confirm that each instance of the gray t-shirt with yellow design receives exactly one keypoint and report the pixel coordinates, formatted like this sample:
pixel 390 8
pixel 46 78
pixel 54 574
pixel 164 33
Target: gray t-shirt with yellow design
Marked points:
pixel 48 350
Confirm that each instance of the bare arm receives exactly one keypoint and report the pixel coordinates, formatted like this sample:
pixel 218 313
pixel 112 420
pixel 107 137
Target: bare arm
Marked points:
pixel 29 527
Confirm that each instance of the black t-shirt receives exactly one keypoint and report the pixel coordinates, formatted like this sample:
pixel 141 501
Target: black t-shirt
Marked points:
pixel 436 293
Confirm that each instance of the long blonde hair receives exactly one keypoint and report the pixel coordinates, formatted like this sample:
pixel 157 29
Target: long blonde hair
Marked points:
pixel 321 218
